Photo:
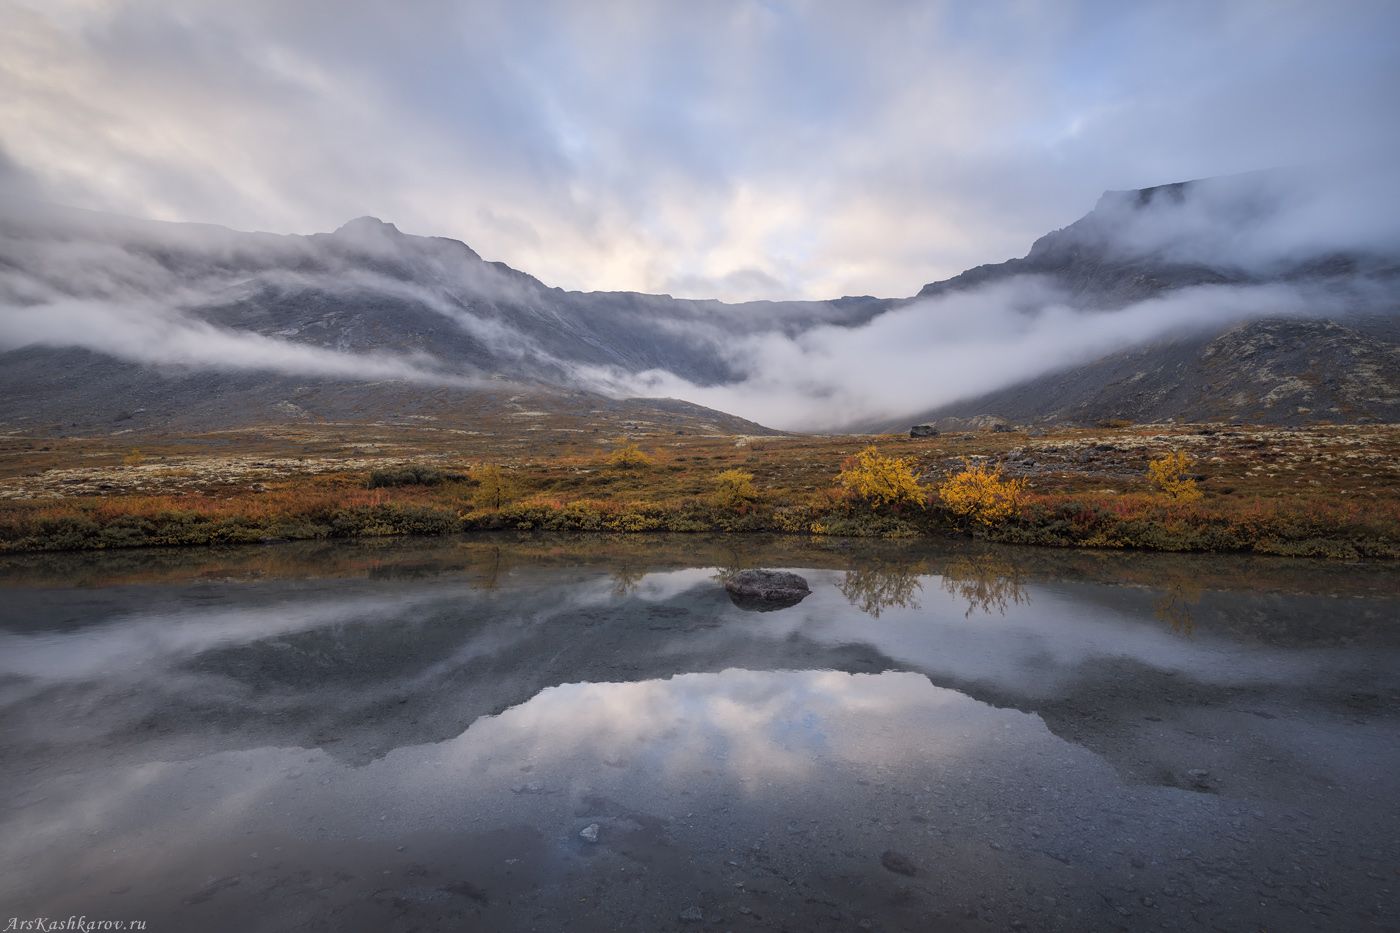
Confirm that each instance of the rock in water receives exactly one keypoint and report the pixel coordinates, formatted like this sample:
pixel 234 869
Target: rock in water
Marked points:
pixel 766 590
pixel 589 833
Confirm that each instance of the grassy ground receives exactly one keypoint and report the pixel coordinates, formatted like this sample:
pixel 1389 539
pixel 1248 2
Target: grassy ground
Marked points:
pixel 1321 491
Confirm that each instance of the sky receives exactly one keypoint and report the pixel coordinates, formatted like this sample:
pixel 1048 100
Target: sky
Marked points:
pixel 719 149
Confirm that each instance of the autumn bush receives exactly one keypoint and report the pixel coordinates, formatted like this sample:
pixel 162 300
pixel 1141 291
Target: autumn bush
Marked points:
pixel 876 480
pixel 734 488
pixel 495 486
pixel 1169 475
pixel 628 456
pixel 979 493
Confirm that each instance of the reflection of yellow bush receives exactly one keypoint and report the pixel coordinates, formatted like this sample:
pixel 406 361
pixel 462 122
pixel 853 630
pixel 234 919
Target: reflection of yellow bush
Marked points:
pixel 875 589
pixel 879 480
pixel 626 580
pixel 1169 474
pixel 980 494
pixel 734 488
pixel 986 582
pixel 628 456
pixel 1175 604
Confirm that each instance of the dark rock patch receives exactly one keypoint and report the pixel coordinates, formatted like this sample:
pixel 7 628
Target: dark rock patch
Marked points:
pixel 766 590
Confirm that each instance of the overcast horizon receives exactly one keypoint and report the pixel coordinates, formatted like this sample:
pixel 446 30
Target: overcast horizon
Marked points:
pixel 729 150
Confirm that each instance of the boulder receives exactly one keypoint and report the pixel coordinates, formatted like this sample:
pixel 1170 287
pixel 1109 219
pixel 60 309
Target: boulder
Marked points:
pixel 923 430
pixel 766 590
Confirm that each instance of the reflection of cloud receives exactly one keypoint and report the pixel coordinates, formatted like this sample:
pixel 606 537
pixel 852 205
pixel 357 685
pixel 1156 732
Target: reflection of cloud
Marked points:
pixel 139 645
pixel 756 737
pixel 749 726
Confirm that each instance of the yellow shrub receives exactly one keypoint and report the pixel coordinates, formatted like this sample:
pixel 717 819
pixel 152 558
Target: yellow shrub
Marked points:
pixel 628 456
pixel 980 493
pixel 1169 474
pixel 734 488
pixel 134 458
pixel 495 487
pixel 879 480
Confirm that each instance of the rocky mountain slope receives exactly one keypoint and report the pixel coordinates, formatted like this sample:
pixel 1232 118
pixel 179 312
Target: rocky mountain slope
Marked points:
pixel 1340 364
pixel 1284 372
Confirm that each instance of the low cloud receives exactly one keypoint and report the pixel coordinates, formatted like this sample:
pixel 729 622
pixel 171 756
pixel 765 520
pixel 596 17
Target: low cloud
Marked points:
pixel 154 334
pixel 151 294
pixel 1259 223
pixel 944 349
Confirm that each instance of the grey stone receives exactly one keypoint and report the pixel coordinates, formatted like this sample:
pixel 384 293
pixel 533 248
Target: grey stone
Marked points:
pixel 766 590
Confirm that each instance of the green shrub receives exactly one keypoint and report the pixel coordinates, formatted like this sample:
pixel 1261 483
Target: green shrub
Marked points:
pixel 413 474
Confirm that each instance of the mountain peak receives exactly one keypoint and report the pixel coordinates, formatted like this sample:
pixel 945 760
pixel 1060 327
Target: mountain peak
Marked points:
pixel 371 226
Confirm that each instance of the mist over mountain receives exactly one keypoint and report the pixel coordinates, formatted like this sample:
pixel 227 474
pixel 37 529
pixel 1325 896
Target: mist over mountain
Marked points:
pixel 1161 271
pixel 191 325
pixel 1270 296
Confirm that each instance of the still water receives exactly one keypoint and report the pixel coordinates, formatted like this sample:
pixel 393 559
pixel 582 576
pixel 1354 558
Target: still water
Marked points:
pixel 587 734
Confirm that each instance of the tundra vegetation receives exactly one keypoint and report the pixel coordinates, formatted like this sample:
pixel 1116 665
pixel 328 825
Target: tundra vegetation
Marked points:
pixel 978 493
pixel 1320 491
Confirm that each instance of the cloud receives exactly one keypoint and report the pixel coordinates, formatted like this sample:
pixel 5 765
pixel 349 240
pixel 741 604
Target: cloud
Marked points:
pixel 936 351
pixel 1258 223
pixel 154 334
pixel 662 146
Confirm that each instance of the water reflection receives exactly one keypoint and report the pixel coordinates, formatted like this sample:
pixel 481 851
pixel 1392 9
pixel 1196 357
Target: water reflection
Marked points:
pixel 988 582
pixel 626 580
pixel 477 702
pixel 1174 606
pixel 878 587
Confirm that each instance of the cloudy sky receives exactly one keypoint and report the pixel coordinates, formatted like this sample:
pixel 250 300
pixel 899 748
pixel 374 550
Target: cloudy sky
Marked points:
pixel 730 149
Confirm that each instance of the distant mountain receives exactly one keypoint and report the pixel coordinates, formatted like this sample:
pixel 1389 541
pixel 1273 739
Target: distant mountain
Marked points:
pixel 467 335
pixel 113 324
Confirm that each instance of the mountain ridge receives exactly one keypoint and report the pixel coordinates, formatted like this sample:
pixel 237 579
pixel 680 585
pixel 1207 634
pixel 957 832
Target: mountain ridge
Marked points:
pixel 366 317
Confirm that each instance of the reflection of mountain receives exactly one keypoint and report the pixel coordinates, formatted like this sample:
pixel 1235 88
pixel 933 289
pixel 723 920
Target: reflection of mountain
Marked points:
pixel 360 666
